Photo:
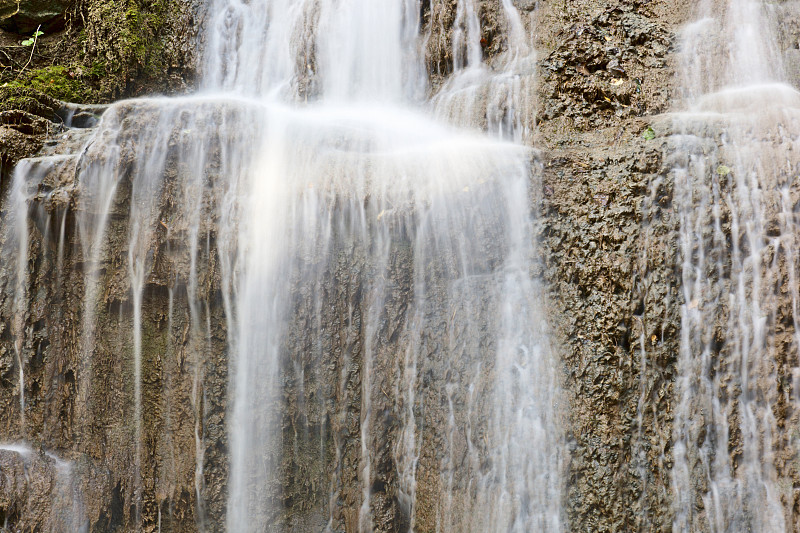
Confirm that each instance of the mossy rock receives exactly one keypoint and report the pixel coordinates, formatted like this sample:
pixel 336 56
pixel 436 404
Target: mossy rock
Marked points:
pixel 25 116
pixel 16 98
pixel 58 82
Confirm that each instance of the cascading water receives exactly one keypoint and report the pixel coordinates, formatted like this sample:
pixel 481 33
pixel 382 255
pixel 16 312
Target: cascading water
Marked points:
pixel 734 170
pixel 65 497
pixel 498 100
pixel 345 234
pixel 354 52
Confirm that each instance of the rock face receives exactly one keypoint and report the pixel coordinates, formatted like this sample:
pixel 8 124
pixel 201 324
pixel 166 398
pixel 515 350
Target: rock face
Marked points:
pixel 99 51
pixel 608 233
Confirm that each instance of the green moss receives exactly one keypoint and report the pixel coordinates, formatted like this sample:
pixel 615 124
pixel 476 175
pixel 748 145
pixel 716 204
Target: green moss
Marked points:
pixel 125 50
pixel 28 100
pixel 58 82
pixel 115 49
pixel 98 70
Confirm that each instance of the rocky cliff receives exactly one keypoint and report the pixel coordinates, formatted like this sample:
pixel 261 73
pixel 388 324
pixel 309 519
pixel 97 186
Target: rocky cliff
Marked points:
pixel 607 229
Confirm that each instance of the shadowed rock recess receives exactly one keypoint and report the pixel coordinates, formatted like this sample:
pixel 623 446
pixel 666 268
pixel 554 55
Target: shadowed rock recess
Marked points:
pixel 573 308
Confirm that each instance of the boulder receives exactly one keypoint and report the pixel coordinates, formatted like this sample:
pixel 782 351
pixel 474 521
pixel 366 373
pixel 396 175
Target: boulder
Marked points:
pixel 24 16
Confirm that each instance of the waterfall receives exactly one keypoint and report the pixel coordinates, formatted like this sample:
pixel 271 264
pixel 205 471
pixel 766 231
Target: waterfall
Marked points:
pixel 432 194
pixel 374 266
pixel 734 166
pixel 68 513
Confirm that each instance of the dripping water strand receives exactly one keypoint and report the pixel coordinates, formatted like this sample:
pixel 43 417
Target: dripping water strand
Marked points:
pixel 728 190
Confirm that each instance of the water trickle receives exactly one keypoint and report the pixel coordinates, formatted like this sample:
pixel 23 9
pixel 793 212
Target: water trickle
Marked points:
pixel 44 470
pixel 18 220
pixel 22 212
pixel 734 172
pixel 497 98
pixel 24 450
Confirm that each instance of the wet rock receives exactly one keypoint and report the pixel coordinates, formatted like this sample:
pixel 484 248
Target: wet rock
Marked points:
pixel 611 251
pixel 588 58
pixel 525 5
pixel 81 115
pixel 15 145
pixel 791 60
pixel 26 16
pixel 26 118
pixel 29 101
pixel 613 67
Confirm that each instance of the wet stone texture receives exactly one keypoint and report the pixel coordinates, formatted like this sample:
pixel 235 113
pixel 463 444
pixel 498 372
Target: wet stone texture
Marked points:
pixel 78 404
pixel 609 235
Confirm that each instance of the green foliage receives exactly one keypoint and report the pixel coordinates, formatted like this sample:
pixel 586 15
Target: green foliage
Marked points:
pixel 649 134
pixel 722 170
pixel 32 39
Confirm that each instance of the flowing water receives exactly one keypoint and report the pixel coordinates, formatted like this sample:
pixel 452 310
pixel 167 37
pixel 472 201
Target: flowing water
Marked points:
pixel 735 170
pixel 307 167
pixel 500 99
pixel 68 512
pixel 367 234
pixel 431 192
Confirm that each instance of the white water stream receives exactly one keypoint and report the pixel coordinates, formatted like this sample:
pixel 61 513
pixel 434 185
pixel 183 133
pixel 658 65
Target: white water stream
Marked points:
pixel 735 177
pixel 68 511
pixel 362 165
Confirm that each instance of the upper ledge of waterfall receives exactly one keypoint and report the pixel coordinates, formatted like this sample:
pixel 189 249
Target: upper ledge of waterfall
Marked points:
pixel 751 99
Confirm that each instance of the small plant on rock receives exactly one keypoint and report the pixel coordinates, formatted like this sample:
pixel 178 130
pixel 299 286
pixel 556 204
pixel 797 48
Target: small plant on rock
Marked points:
pixel 32 40
pixel 32 43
